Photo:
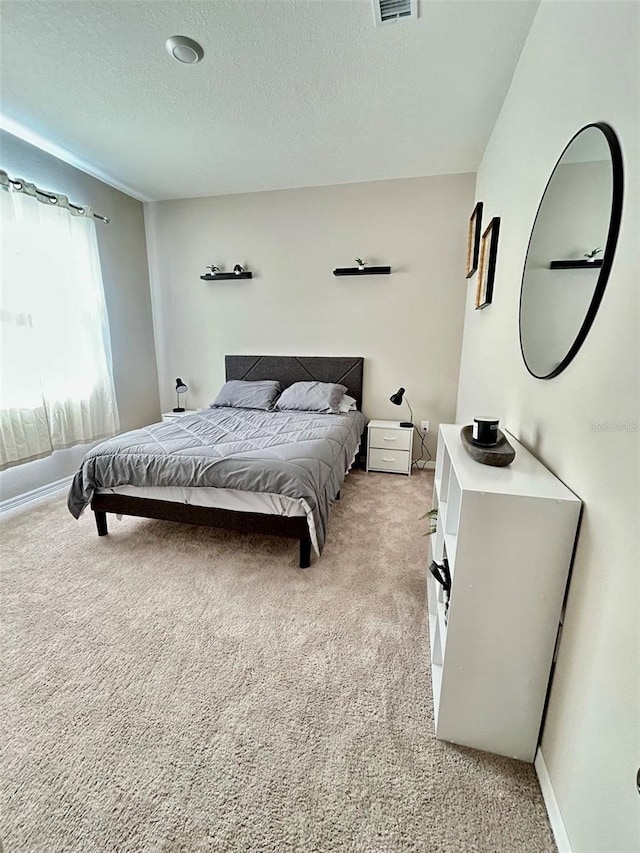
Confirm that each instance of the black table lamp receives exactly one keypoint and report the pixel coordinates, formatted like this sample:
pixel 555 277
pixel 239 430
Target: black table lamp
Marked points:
pixel 181 388
pixel 396 399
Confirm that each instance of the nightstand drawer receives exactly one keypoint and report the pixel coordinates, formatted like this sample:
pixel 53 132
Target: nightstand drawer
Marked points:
pixel 389 460
pixel 394 439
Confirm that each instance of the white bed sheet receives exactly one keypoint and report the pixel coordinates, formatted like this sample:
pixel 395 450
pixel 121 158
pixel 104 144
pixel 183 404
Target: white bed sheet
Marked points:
pixel 233 499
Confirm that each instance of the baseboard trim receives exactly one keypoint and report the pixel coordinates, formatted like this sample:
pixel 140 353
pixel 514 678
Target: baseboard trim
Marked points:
pixel 423 465
pixel 35 494
pixel 558 828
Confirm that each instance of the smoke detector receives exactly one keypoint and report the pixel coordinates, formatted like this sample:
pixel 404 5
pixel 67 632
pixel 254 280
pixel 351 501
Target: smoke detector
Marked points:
pixel 184 49
pixel 392 11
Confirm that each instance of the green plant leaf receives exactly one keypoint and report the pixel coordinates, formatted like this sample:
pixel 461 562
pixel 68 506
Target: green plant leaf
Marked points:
pixel 433 513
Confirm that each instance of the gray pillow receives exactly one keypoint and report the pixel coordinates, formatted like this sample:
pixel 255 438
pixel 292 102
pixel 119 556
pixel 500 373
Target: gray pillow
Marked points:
pixel 240 394
pixel 311 397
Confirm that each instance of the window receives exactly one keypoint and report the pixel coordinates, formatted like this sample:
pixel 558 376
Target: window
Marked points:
pixel 56 384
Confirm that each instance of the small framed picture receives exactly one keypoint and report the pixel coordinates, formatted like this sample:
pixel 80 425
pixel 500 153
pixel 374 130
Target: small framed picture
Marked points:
pixel 473 239
pixel 487 264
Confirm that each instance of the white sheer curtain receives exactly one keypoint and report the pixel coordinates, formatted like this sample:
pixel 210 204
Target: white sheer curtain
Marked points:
pixel 56 385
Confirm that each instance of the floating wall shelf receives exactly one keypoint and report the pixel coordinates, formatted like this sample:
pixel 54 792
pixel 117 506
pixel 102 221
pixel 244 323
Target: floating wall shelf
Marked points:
pixel 575 265
pixel 226 276
pixel 365 271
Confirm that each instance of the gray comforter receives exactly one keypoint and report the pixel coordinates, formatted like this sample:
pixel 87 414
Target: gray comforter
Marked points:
pixel 297 454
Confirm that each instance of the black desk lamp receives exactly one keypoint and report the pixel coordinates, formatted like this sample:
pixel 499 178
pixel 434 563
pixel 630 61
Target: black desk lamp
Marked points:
pixel 181 388
pixel 396 399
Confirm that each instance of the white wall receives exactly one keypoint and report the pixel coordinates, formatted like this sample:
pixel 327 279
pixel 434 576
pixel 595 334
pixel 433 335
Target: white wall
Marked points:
pixel 407 325
pixel 123 258
pixel 580 64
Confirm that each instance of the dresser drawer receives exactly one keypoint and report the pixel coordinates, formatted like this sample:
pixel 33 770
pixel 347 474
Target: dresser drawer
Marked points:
pixel 394 439
pixel 389 460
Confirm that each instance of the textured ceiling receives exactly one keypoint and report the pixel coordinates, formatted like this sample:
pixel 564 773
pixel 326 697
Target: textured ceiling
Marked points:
pixel 290 92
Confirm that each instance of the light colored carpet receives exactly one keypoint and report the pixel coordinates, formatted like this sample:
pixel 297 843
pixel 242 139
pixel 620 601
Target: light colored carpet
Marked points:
pixel 173 688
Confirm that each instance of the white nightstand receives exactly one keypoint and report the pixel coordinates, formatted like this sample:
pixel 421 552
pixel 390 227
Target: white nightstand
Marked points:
pixel 389 447
pixel 171 416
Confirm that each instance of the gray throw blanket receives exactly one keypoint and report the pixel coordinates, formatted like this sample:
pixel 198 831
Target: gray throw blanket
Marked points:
pixel 296 454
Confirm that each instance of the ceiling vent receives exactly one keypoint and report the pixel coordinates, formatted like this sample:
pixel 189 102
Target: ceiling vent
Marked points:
pixel 390 11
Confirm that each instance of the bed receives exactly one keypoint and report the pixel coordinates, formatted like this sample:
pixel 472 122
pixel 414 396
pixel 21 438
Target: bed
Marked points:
pixel 263 472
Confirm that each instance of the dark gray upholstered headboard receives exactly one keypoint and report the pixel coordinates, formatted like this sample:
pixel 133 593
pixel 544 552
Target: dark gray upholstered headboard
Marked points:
pixel 287 369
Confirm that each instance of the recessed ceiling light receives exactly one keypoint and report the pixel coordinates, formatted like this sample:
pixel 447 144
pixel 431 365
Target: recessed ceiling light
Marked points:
pixel 184 49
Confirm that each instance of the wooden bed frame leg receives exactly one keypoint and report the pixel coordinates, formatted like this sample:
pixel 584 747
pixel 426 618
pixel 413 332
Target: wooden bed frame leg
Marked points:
pixel 305 552
pixel 101 522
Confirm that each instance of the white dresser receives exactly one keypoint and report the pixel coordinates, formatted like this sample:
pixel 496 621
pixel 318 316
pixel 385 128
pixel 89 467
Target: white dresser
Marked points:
pixel 389 447
pixel 508 535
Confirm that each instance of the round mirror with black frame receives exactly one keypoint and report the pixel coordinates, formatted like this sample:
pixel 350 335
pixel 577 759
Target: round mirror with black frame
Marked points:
pixel 571 249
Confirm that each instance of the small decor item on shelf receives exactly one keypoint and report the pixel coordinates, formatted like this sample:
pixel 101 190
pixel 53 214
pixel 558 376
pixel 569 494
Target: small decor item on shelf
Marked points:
pixel 485 431
pixel 432 515
pixel 181 388
pixel 497 455
pixel 216 274
pixel 441 573
pixel 591 256
pixel 361 264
